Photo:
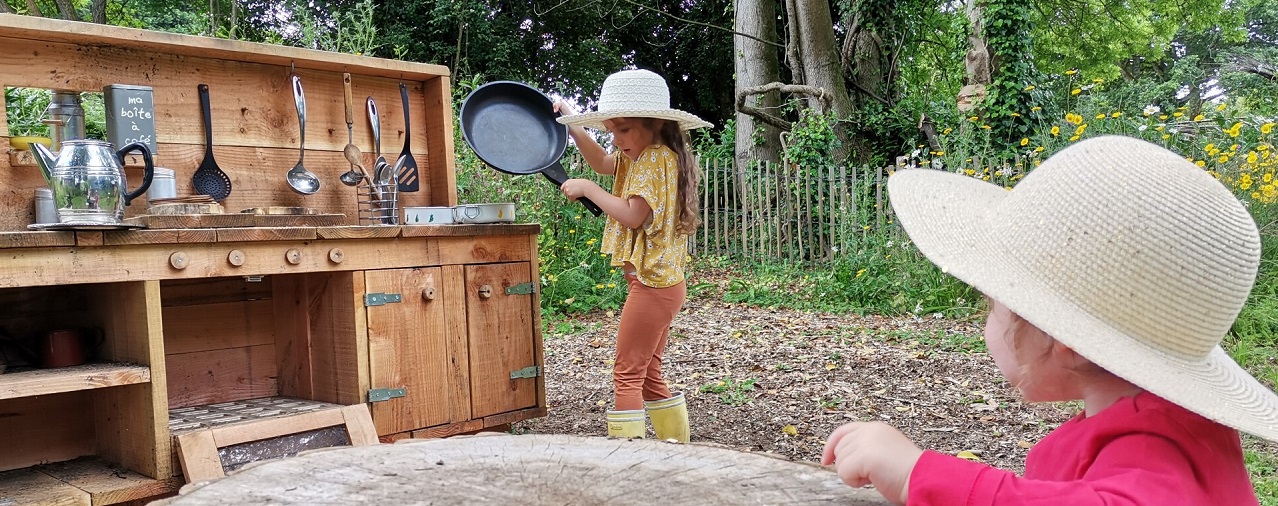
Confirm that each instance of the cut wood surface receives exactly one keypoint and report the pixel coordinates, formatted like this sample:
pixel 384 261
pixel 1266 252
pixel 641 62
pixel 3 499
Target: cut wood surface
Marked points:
pixel 501 339
pixel 530 470
pixel 69 379
pixel 36 239
pixel 31 487
pixel 407 349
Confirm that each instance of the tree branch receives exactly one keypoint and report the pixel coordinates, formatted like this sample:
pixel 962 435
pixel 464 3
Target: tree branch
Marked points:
pixel 764 116
pixel 708 25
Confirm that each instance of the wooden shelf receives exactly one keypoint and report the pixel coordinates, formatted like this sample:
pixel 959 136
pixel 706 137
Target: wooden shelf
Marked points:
pixel 84 481
pixel 70 379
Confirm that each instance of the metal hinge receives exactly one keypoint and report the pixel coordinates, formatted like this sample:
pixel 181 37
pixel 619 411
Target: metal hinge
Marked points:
pixel 378 299
pixel 521 289
pixel 531 371
pixel 385 394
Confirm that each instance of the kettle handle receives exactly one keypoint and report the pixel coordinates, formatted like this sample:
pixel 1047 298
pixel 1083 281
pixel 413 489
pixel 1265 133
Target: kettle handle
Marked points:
pixel 146 176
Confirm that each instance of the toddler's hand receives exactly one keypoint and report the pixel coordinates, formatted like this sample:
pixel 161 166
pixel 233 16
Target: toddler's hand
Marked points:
pixel 564 108
pixel 576 188
pixel 873 452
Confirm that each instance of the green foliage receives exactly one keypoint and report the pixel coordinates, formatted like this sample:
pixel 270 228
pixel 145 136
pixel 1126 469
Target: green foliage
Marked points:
pixel 1007 29
pixel 730 391
pixel 1264 475
pixel 812 141
pixel 25 110
pixel 346 31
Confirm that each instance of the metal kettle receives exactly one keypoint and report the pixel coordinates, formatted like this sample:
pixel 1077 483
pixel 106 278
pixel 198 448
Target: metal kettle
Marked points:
pixel 87 179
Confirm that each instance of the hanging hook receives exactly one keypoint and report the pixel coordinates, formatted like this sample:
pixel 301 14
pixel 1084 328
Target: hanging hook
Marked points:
pixel 292 69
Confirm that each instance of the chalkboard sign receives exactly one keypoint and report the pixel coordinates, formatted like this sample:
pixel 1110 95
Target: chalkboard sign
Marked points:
pixel 130 115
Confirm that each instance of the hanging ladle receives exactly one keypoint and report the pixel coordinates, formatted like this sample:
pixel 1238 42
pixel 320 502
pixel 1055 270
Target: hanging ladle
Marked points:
pixel 299 179
pixel 351 177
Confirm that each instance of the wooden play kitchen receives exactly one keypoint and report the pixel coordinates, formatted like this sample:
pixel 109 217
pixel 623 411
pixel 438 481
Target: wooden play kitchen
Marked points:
pixel 219 330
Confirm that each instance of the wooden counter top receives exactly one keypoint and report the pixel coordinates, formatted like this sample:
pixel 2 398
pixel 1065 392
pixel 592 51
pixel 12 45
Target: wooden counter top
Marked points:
pixel 92 238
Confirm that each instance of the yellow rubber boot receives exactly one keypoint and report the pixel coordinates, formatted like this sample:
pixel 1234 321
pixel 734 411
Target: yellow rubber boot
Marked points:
pixel 626 424
pixel 669 418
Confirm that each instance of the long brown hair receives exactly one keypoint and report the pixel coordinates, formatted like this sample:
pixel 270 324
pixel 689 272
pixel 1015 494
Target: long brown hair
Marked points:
pixel 670 135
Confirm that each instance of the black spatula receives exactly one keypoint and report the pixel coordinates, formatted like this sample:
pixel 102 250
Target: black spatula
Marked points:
pixel 209 179
pixel 407 179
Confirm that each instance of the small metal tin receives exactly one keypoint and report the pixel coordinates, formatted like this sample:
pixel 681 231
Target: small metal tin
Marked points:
pixel 45 210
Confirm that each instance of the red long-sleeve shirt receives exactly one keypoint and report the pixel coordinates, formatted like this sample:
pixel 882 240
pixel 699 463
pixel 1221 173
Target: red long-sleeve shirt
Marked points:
pixel 1143 450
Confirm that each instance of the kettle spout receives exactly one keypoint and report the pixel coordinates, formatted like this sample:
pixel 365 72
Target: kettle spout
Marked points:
pixel 46 160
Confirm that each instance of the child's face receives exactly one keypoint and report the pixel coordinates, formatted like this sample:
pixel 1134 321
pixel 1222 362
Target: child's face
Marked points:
pixel 1027 357
pixel 630 135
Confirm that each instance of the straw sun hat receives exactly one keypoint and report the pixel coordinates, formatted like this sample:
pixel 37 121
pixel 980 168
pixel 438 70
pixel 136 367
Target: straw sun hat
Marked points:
pixel 1122 250
pixel 634 94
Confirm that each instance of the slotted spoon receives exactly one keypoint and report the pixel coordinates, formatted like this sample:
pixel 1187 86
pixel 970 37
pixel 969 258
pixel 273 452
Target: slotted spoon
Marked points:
pixel 407 177
pixel 208 178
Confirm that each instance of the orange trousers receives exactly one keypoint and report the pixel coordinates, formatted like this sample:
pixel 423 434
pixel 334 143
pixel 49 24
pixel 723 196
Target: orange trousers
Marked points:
pixel 641 340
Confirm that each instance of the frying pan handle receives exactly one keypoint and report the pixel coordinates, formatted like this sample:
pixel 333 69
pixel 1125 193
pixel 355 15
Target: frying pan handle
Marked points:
pixel 556 174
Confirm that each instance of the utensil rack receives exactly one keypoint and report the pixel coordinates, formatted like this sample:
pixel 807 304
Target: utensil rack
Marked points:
pixel 378 203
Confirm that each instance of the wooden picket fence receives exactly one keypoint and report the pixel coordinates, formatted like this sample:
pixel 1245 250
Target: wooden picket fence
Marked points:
pixel 784 212
pixel 771 211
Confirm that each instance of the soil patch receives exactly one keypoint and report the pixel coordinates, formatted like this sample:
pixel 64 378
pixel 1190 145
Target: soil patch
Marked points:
pixel 780 381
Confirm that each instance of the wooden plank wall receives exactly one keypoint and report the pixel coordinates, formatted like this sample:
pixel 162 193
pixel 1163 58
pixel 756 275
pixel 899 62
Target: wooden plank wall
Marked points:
pixel 255 125
pixel 35 430
pixel 219 339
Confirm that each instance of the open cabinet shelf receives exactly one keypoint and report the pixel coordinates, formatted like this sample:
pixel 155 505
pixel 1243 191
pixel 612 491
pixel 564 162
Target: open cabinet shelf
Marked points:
pixel 70 379
pixel 84 481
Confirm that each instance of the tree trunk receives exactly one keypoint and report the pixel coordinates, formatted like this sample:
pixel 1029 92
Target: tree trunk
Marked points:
pixel 33 9
pixel 821 66
pixel 979 62
pixel 5 8
pixel 67 10
pixel 99 11
pixel 755 64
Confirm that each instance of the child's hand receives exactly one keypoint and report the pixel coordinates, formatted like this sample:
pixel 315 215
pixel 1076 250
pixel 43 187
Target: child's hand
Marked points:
pixel 577 188
pixel 873 452
pixel 564 108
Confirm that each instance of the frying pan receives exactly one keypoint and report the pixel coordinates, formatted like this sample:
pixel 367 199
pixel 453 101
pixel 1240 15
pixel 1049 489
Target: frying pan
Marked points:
pixel 511 127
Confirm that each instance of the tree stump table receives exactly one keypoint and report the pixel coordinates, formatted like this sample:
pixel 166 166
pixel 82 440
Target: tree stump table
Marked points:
pixel 528 470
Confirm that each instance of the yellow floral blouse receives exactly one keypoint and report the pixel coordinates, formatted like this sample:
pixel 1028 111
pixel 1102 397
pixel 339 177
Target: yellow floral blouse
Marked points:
pixel 657 250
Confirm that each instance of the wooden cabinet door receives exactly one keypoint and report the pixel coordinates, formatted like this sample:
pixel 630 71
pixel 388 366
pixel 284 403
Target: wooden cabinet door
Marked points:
pixel 500 326
pixel 406 349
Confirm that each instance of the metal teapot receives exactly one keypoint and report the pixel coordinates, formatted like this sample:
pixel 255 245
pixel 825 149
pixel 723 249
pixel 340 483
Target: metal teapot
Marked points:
pixel 87 179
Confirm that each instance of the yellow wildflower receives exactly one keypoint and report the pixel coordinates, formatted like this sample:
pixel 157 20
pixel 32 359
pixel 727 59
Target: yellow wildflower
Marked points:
pixel 1024 141
pixel 1201 163
pixel 987 127
pixel 1177 114
pixel 1199 117
pixel 1210 146
pixel 1035 109
pixel 1220 107
pixel 1166 136
pixel 599 286
pixel 1097 80
pixel 1268 177
pixel 1266 128
pixel 1039 149
pixel 862 271
pixel 1252 158
pixel 1100 116
pixel 1075 91
pixel 947 131
pixel 1223 158
pixel 1016 115
pixel 1029 88
pixel 1162 117
pixel 1115 114
pixel 1070 72
pixel 1056 130
pixel 1074 138
pixel 974 119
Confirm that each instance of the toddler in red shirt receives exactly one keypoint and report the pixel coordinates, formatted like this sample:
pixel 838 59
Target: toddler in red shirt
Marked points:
pixel 1112 272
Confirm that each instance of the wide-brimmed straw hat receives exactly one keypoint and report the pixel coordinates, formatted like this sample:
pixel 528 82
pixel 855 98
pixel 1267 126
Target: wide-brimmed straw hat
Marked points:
pixel 634 94
pixel 1122 250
